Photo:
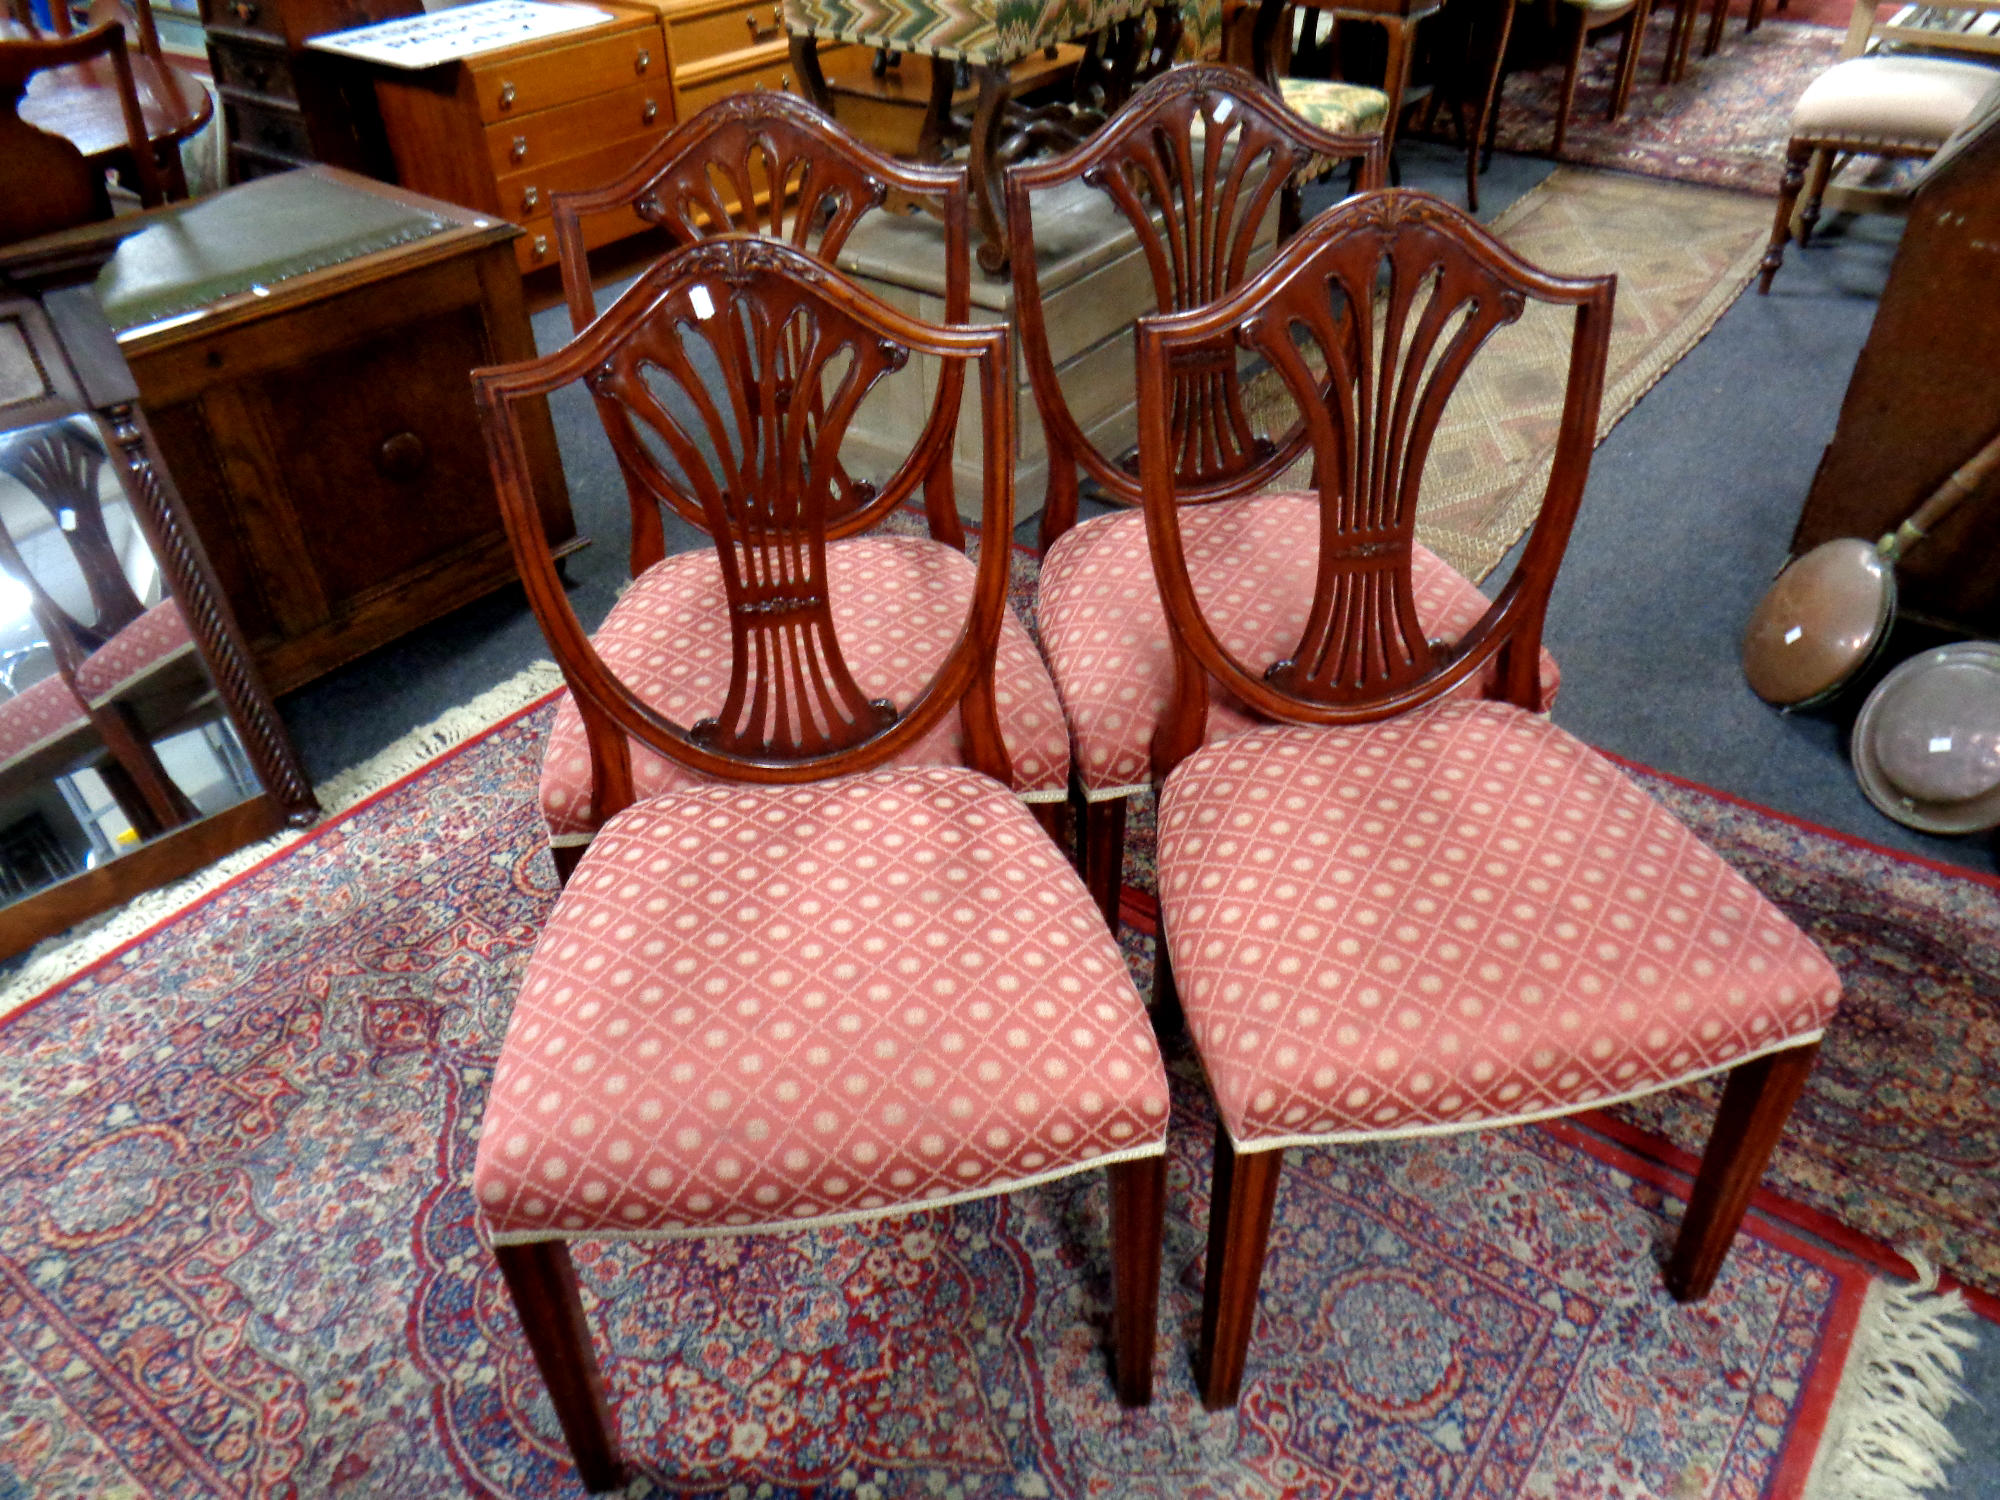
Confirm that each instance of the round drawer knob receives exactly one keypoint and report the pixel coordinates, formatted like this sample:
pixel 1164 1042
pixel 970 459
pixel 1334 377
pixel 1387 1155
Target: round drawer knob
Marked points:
pixel 506 95
pixel 519 150
pixel 402 456
pixel 531 200
pixel 650 113
pixel 643 61
pixel 245 11
pixel 541 246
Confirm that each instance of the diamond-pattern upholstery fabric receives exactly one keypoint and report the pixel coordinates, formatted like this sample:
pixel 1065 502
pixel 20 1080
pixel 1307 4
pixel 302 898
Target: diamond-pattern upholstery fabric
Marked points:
pixel 1456 918
pixel 36 717
pixel 157 637
pixel 1253 564
pixel 760 1007
pixel 898 605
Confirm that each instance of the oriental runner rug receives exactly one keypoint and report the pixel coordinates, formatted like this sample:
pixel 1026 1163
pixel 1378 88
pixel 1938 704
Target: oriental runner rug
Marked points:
pixel 1682 254
pixel 238 1256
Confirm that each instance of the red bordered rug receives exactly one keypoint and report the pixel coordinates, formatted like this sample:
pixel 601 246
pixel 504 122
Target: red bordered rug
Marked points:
pixel 237 1256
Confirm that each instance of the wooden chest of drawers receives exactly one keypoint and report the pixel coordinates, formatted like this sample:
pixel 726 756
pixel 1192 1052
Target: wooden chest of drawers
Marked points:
pixel 722 47
pixel 505 131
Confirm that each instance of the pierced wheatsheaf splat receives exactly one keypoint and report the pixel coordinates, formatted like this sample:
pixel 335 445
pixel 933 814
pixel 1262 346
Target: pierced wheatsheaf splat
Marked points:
pixel 732 400
pixel 770 165
pixel 1197 166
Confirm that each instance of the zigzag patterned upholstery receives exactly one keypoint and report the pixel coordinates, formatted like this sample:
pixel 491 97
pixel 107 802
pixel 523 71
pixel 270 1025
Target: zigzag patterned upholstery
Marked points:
pixel 1105 633
pixel 973 31
pixel 897 603
pixel 1460 918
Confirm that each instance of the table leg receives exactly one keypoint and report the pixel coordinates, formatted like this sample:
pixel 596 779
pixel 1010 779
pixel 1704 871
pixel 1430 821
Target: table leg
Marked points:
pixel 937 113
pixel 1487 121
pixel 805 62
pixel 996 82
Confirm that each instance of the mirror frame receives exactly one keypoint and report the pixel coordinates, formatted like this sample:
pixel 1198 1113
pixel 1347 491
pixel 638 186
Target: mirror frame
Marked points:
pixel 83 374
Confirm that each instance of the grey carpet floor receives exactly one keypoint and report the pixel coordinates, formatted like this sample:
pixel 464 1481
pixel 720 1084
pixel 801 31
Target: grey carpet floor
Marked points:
pixel 1690 505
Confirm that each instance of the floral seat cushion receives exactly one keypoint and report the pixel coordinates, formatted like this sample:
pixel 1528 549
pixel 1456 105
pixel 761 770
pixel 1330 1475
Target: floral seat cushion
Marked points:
pixel 40 715
pixel 1341 108
pixel 898 605
pixel 1456 918
pixel 1105 630
pixel 760 1007
pixel 150 643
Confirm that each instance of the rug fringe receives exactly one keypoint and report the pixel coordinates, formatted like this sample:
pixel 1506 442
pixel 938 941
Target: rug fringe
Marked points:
pixel 1885 1437
pixel 56 959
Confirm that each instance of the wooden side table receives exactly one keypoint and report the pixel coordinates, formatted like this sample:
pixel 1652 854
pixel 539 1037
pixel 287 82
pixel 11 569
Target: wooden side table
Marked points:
pixel 321 425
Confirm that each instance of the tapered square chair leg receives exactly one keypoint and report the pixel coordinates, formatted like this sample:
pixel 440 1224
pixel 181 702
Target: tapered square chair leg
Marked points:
pixel 1755 1105
pixel 1138 1227
pixel 1239 1226
pixel 542 1282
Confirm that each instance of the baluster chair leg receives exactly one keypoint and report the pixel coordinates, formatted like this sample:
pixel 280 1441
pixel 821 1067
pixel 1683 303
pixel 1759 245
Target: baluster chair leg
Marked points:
pixel 1244 1191
pixel 1817 177
pixel 542 1283
pixel 1755 1105
pixel 1796 157
pixel 1138 1226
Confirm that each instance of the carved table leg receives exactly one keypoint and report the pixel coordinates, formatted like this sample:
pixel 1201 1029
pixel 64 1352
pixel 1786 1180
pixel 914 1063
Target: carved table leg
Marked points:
pixel 937 114
pixel 805 62
pixel 995 83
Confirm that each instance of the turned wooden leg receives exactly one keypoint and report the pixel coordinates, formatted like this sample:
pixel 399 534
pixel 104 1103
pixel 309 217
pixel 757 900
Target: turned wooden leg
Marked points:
pixel 542 1283
pixel 1103 846
pixel 1796 156
pixel 1138 1227
pixel 805 62
pixel 1239 1225
pixel 983 166
pixel 1755 1105
pixel 1817 177
pixel 1574 38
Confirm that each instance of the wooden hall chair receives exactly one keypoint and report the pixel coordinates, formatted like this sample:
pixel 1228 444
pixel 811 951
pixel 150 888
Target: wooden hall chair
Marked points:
pixel 46 181
pixel 1396 910
pixel 1576 21
pixel 768 163
pixel 1202 220
pixel 1884 102
pixel 825 983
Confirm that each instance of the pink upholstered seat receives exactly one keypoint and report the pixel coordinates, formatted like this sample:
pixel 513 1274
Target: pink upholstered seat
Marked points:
pixel 898 603
pixel 156 639
pixel 39 716
pixel 1253 563
pixel 1456 918
pixel 761 1007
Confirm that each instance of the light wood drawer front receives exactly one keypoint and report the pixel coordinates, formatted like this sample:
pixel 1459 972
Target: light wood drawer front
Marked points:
pixel 545 138
pixel 698 39
pixel 511 89
pixel 772 71
pixel 572 173
pixel 537 248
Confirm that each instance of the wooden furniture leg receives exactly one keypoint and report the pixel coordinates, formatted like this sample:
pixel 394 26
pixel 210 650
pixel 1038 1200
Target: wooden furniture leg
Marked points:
pixel 812 78
pixel 1487 123
pixel 1628 58
pixel 1796 157
pixel 1817 177
pixel 1573 19
pixel 542 1283
pixel 1718 13
pixel 1755 1105
pixel 1102 840
pixel 1395 74
pixel 1240 1201
pixel 937 111
pixel 983 166
pixel 1138 1229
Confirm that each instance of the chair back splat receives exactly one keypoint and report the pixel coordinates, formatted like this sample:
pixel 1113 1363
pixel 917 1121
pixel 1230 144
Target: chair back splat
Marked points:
pixel 1369 316
pixel 733 368
pixel 1196 164
pixel 769 164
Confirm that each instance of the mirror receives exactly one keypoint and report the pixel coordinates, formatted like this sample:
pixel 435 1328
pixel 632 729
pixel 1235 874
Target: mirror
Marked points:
pixel 135 744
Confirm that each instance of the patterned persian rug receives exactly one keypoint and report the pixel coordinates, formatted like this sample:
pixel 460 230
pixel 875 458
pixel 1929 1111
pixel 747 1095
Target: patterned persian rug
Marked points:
pixel 238 1252
pixel 1723 125
pixel 1682 255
